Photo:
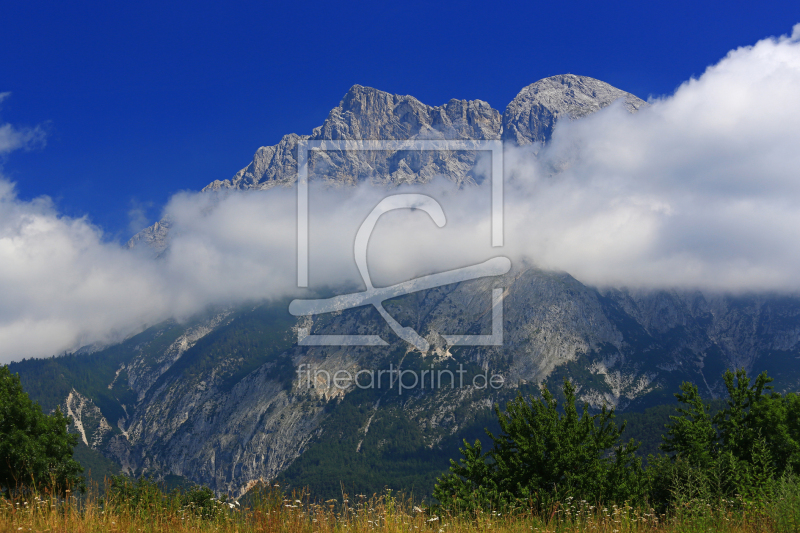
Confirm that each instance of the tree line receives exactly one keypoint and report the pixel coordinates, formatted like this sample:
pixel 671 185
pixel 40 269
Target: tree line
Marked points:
pixel 546 453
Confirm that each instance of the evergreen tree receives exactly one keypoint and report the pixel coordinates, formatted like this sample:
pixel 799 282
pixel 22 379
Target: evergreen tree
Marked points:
pixel 739 424
pixel 543 455
pixel 691 435
pixel 739 451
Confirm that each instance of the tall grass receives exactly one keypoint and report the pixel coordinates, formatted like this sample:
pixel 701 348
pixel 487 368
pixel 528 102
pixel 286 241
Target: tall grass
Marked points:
pixel 141 507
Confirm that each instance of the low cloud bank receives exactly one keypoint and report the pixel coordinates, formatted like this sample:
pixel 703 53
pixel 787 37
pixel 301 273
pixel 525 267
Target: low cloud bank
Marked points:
pixel 700 189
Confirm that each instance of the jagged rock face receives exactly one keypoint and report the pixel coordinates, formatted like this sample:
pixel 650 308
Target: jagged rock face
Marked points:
pixel 87 419
pixel 369 114
pixel 741 331
pixel 533 114
pixel 365 113
pixel 227 439
pixel 271 166
pixel 142 374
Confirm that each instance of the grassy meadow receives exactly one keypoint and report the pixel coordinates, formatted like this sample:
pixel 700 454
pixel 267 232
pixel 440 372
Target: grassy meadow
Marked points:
pixel 143 507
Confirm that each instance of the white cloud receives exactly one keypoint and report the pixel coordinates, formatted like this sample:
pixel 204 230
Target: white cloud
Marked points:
pixel 700 189
pixel 62 285
pixel 12 138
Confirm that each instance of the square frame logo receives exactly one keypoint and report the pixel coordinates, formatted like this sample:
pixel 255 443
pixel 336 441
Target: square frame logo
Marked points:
pixel 376 296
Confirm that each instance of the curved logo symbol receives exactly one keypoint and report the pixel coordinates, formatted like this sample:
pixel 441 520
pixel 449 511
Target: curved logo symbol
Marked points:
pixel 376 296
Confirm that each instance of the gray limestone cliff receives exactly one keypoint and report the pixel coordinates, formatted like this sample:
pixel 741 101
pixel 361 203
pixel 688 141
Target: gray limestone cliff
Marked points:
pixel 369 114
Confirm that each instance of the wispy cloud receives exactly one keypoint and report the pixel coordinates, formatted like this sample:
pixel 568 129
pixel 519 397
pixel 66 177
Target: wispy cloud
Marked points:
pixel 12 138
pixel 138 215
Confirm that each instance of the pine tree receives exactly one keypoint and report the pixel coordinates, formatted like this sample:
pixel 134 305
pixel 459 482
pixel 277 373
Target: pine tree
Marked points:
pixel 543 455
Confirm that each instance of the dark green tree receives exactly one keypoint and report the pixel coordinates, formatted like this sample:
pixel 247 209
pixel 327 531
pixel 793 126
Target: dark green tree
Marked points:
pixel 778 422
pixel 691 434
pixel 739 424
pixel 543 455
pixel 756 413
pixel 35 448
pixel 754 438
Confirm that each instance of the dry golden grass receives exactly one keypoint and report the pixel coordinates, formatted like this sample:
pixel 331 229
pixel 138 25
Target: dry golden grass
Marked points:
pixel 275 512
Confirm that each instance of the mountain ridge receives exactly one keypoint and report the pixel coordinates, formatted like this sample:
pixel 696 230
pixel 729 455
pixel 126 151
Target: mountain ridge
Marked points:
pixel 366 113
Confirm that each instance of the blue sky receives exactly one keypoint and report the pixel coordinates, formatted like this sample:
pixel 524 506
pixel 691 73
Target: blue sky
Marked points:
pixel 143 99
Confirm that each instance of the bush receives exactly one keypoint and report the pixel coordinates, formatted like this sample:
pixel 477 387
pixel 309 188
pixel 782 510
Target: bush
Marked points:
pixel 785 511
pixel 143 497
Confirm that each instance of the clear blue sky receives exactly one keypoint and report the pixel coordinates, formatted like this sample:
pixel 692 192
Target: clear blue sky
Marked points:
pixel 143 99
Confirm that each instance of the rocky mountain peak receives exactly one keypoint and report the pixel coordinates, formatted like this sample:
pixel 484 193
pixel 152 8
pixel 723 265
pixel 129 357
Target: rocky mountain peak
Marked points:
pixel 367 113
pixel 368 101
pixel 532 114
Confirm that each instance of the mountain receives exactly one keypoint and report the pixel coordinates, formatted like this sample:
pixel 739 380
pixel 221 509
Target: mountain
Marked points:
pixel 230 399
pixel 532 115
pixel 366 113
